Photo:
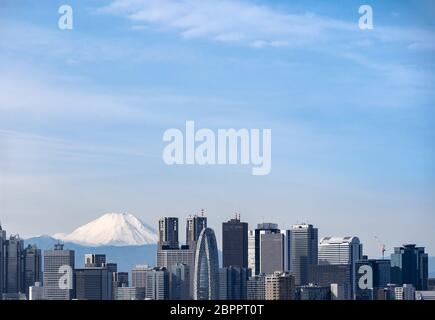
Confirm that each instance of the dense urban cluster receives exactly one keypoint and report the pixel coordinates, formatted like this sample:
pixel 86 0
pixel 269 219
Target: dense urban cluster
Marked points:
pixel 266 263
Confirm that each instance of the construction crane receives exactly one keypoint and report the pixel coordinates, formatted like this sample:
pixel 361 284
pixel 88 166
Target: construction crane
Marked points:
pixel 381 246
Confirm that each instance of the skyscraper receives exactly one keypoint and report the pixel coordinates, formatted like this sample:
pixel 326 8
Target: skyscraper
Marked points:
pixel 254 245
pixel 2 259
pixel 138 276
pixel 179 282
pixel 194 225
pixel 271 252
pixel 32 267
pixel 233 283
pixel 256 287
pixel 93 283
pixel 235 243
pixel 157 284
pixel 375 280
pixel 409 265
pixel 58 273
pixel 304 242
pixel 14 276
pixel 170 254
pixel 341 250
pixel 206 271
pixel 168 233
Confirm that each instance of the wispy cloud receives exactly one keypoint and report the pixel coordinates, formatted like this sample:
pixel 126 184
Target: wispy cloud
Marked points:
pixel 246 23
pixel 228 21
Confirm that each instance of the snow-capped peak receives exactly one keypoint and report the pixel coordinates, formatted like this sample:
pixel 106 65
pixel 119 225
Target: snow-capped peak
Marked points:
pixel 116 229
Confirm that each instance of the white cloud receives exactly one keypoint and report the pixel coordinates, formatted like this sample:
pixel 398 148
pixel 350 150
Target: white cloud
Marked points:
pixel 253 25
pixel 228 21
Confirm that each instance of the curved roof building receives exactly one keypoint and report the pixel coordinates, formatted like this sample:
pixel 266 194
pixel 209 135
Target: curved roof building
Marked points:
pixel 206 270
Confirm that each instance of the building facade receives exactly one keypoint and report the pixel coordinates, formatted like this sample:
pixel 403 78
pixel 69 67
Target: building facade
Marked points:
pixel 409 265
pixel 168 233
pixel 235 243
pixel 93 283
pixel 206 271
pixel 256 287
pixel 59 273
pixel 280 286
pixel 304 251
pixel 233 283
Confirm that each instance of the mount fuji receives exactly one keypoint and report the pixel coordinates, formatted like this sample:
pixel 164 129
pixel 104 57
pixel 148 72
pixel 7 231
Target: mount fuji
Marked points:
pixel 124 239
pixel 112 229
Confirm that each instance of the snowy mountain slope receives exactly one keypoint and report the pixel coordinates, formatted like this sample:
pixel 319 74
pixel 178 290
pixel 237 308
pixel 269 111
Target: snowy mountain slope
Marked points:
pixel 113 229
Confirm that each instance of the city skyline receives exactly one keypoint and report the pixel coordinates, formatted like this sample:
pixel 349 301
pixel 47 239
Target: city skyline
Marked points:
pixel 322 236
pixel 83 113
pixel 296 266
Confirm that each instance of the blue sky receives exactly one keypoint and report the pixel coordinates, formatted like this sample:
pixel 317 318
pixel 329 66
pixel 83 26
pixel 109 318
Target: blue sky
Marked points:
pixel 82 113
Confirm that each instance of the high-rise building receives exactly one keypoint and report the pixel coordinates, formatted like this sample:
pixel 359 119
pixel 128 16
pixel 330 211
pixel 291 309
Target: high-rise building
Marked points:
pixel 168 233
pixel 251 252
pixel 58 273
pixel 93 260
pixel 327 274
pixel 235 243
pixel 194 225
pixel 179 282
pixel 254 245
pixel 206 270
pixel 93 283
pixel 2 259
pixel 256 287
pixel 271 253
pixel 138 276
pixel 157 284
pixel 32 267
pixel 340 250
pixel 304 251
pixel 169 253
pixel 409 265
pixel 14 266
pixel 280 286
pixel 233 283
pixel 374 275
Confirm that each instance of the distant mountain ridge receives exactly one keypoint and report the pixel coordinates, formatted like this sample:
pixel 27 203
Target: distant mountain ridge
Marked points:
pixel 112 229
pixel 125 256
